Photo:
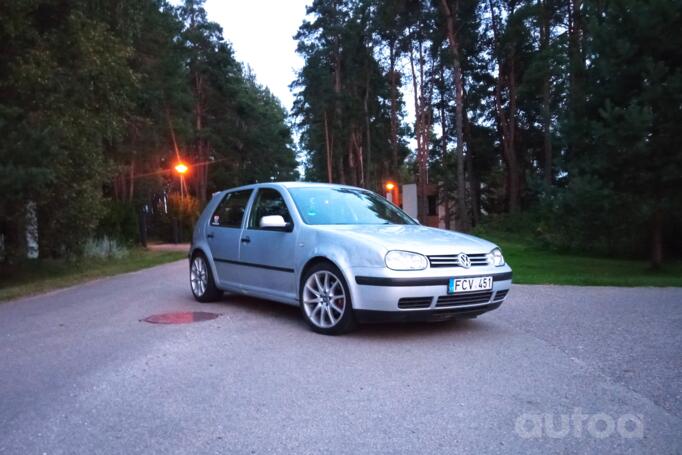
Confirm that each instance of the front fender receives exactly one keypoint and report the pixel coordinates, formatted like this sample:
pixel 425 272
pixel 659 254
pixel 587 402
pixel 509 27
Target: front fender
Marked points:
pixel 340 249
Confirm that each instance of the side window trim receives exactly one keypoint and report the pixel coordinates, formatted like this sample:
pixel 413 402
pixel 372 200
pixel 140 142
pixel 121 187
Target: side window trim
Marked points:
pixel 252 207
pixel 247 209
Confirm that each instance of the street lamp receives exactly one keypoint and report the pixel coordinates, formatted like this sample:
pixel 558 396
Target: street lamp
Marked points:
pixel 392 192
pixel 181 168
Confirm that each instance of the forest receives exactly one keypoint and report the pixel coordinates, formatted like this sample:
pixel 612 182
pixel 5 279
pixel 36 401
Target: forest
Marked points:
pixel 100 99
pixel 558 116
pixel 554 118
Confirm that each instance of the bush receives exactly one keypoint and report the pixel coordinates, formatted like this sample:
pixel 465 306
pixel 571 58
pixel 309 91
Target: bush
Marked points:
pixel 69 215
pixel 183 213
pixel 119 222
pixel 589 216
pixel 585 216
pixel 104 248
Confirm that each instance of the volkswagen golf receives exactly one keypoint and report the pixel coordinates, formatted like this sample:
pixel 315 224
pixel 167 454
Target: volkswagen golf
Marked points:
pixel 344 255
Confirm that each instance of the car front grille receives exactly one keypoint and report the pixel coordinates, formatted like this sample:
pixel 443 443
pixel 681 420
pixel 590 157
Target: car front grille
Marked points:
pixel 450 260
pixel 470 298
pixel 414 302
pixel 499 295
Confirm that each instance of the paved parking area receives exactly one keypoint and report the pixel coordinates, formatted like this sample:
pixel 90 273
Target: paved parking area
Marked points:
pixel 555 369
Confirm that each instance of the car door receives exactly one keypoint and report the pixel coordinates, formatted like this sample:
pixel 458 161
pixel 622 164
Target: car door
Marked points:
pixel 224 235
pixel 268 255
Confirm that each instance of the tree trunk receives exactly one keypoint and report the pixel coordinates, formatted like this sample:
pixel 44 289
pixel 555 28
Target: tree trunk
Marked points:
pixel 475 186
pixel 394 112
pixel 657 239
pixel 506 120
pixel 14 229
pixel 342 171
pixel 351 159
pixel 576 97
pixel 445 197
pixel 368 133
pixel 462 219
pixel 200 174
pixel 474 181
pixel 421 127
pixel 515 187
pixel 546 95
pixel 328 148
pixel 131 183
pixel 355 161
pixel 337 108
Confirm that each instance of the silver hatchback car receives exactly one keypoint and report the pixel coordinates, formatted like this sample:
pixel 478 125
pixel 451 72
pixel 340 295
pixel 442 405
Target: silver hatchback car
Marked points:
pixel 343 254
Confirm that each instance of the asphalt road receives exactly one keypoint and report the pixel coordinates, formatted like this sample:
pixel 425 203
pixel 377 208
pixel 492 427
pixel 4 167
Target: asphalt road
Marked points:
pixel 555 369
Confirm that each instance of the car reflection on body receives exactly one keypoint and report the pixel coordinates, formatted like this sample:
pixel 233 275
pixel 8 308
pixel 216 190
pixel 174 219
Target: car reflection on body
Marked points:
pixel 343 254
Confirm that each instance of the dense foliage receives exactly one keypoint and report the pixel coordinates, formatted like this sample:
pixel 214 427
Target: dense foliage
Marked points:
pixel 561 113
pixel 99 98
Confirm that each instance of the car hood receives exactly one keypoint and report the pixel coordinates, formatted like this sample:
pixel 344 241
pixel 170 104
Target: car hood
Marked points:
pixel 416 238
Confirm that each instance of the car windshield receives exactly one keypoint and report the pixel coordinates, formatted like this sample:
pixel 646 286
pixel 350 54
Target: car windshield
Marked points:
pixel 329 205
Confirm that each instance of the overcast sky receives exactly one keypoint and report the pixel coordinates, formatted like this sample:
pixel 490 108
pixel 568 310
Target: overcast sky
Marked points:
pixel 261 33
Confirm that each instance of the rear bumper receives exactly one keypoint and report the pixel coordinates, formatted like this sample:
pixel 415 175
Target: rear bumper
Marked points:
pixel 372 316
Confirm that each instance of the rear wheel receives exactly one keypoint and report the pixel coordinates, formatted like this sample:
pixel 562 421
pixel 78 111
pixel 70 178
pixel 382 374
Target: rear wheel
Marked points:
pixel 201 280
pixel 325 301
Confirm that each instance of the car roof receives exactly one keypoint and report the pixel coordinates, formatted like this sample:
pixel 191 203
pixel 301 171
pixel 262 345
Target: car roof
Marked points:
pixel 290 185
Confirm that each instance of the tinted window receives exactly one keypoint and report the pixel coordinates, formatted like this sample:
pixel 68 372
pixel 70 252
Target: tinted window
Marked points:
pixel 329 205
pixel 268 202
pixel 231 210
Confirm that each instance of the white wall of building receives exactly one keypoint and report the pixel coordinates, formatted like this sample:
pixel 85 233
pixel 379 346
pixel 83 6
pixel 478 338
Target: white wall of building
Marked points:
pixel 410 199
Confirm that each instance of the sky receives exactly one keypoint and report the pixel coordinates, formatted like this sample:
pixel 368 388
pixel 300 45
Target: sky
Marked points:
pixel 261 33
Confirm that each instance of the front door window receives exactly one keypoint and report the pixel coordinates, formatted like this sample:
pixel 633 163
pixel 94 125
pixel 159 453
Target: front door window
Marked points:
pixel 268 202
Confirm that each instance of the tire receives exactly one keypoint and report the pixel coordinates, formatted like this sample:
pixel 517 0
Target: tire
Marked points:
pixel 325 300
pixel 201 280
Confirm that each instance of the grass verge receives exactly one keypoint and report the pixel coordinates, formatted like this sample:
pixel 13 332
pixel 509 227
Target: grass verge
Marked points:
pixel 36 276
pixel 535 265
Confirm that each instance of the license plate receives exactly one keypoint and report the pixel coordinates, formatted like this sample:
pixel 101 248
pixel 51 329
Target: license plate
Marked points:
pixel 459 285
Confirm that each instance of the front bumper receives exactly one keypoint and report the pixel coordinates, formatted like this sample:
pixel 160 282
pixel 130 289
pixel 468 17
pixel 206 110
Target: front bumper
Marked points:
pixel 371 316
pixel 376 298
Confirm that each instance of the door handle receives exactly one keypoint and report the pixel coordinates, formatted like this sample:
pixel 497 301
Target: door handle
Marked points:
pixel 246 240
pixel 209 235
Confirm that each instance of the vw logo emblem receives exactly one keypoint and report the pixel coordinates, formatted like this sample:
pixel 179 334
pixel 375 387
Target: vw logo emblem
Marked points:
pixel 463 261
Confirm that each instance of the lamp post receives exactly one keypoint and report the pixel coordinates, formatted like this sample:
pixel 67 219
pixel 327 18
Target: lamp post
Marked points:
pixel 392 193
pixel 181 168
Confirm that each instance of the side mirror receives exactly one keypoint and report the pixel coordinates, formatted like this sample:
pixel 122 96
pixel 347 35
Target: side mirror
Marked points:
pixel 274 223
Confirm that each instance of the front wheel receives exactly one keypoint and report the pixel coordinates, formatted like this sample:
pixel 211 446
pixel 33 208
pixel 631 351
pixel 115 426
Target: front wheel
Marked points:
pixel 325 301
pixel 201 280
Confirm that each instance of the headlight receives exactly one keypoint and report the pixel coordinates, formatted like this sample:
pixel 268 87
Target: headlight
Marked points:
pixel 404 260
pixel 495 258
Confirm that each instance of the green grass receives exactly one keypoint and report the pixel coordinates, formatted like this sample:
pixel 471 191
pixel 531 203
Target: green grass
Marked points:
pixel 36 276
pixel 531 264
pixel 535 265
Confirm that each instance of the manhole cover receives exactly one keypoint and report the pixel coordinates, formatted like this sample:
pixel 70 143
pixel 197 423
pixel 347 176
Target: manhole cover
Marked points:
pixel 184 317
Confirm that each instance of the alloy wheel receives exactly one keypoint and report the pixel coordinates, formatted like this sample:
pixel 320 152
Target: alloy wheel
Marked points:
pixel 198 276
pixel 324 299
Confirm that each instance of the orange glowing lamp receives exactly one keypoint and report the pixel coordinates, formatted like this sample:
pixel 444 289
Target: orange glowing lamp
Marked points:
pixel 181 168
pixel 390 186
